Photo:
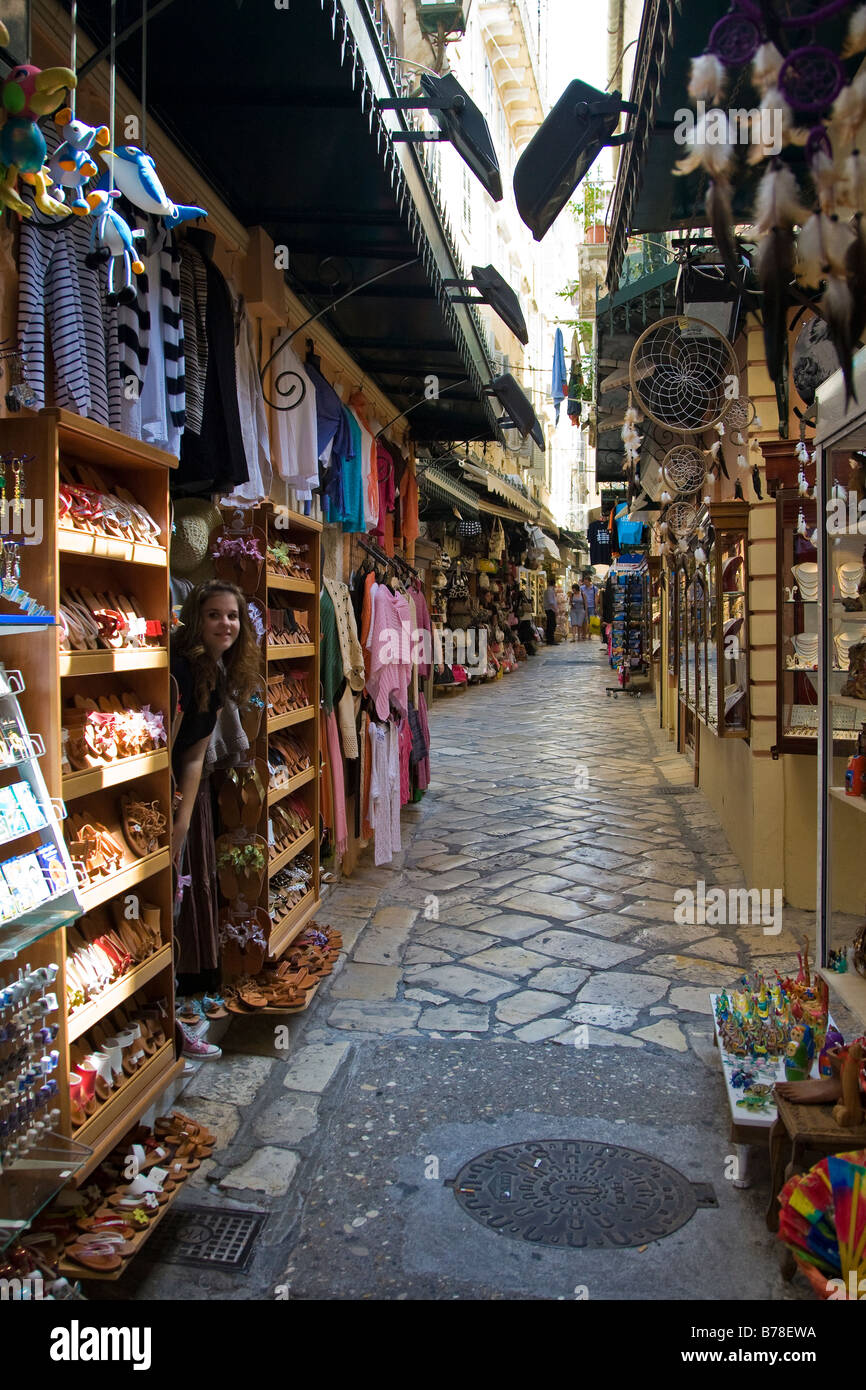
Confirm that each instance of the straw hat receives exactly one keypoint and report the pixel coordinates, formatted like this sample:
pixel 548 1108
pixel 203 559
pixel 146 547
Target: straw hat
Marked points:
pixel 194 520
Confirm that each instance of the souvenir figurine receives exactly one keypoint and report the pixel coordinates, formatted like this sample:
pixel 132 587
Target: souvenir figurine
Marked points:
pixel 112 240
pixel 799 1053
pixel 134 173
pixel 832 1042
pixel 28 93
pixel 71 165
pixel 723 1007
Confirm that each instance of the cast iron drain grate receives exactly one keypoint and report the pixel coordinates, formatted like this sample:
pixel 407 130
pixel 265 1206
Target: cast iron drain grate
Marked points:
pixel 206 1237
pixel 673 791
pixel 576 1194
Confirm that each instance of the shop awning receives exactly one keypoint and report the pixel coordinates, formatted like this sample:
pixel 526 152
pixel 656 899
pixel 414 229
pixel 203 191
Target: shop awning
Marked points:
pixel 499 487
pixel 277 106
pixel 434 483
pixel 504 513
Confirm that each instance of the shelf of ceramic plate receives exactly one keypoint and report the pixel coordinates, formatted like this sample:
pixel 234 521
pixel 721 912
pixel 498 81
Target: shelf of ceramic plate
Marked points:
pixel 850 988
pixel 72 1270
pixel 126 1103
pixel 122 770
pixel 839 794
pixel 286 855
pixel 109 548
pixel 293 716
pixel 32 1181
pixel 118 993
pixel 291 924
pixel 299 780
pixel 125 878
pixel 104 663
pixel 296 586
pixel 287 652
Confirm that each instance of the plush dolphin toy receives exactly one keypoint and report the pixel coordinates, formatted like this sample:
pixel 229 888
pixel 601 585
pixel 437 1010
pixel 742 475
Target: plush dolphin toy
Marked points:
pixel 134 173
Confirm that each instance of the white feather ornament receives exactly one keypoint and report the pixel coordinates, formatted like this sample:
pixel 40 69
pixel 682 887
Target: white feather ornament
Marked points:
pixel 663 526
pixel 700 555
pixel 707 79
pixel 707 500
pixel 720 429
pixel 665 498
pixel 709 145
pixel 801 524
pixel 821 248
pixel 825 177
pixel 779 126
pixel 778 202
pixel 849 111
pixel 765 66
pixel 855 40
pixel 756 423
pixel 714 449
pixel 742 461
pixel 738 438
pixel 802 484
pixel 853 190
pixel 814 538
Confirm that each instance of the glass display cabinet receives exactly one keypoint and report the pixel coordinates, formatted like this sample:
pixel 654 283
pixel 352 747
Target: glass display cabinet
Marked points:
pixel 798 625
pixel 671 576
pixel 682 585
pixel 839 588
pixel 718 631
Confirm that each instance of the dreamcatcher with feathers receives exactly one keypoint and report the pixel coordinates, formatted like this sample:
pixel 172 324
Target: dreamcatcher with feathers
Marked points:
pixel 810 244
pixel 684 374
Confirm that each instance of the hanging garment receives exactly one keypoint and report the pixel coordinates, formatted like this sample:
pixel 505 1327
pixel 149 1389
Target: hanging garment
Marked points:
pixel 366 775
pixel 558 386
pixel 253 415
pixel 422 619
pixel 389 644
pixel 330 658
pixel 158 415
pixel 193 302
pixel 214 460
pixel 423 770
pixel 352 515
pixel 384 812
pixel 409 524
pixel 369 472
pixel 404 736
pixel 386 493
pixel 370 587
pixel 295 452
pixel 347 633
pixel 341 834
pixel 57 293
pixel 326 799
pixel 330 425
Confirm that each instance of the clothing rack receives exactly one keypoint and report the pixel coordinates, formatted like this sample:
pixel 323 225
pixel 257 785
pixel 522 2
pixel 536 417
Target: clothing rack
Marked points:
pixel 395 561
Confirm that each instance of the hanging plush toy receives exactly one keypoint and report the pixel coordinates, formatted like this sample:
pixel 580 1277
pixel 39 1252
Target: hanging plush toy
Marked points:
pixel 134 173
pixel 72 165
pixel 27 94
pixel 112 240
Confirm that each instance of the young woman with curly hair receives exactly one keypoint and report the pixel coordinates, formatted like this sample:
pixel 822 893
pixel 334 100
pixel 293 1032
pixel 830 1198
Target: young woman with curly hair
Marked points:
pixel 214 658
pixel 214 654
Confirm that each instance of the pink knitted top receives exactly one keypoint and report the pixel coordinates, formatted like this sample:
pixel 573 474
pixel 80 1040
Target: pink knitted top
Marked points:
pixel 390 648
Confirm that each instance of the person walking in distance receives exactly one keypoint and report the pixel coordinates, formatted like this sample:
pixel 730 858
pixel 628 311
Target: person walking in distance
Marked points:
pixel 587 589
pixel 576 614
pixel 550 614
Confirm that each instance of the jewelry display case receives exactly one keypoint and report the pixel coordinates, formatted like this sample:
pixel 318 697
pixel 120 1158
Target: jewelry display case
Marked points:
pixel 721 624
pixel 672 590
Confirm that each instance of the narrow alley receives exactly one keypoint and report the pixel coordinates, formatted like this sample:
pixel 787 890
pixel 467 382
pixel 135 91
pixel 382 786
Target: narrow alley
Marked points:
pixel 516 975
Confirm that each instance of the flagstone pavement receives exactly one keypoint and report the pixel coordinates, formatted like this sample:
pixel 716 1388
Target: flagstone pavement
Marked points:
pixel 516 971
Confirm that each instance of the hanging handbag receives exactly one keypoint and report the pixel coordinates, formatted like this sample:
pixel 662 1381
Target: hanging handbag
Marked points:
pixel 496 540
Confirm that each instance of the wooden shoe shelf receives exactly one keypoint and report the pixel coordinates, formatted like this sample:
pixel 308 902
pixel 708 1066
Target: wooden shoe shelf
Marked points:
pixel 292 660
pixel 66 558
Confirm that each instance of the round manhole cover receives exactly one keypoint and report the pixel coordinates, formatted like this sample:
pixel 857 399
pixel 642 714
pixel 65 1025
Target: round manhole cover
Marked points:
pixel 575 1194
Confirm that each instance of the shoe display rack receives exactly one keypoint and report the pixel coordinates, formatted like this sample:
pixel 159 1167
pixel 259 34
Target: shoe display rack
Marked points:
pixel 97 689
pixel 270 808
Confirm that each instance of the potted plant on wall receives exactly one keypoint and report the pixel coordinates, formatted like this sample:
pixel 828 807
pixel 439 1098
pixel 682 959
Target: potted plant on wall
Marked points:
pixel 589 208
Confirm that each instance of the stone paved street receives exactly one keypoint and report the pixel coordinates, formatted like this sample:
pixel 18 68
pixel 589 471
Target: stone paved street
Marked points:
pixel 516 973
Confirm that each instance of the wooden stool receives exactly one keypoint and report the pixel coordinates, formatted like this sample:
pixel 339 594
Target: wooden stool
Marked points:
pixel 804 1127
